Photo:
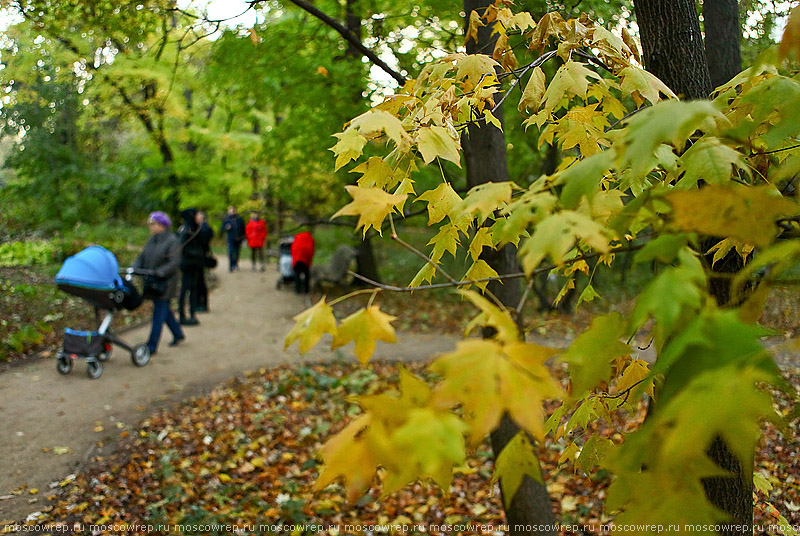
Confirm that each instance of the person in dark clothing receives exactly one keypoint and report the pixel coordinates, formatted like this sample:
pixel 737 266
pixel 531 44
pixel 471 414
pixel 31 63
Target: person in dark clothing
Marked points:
pixel 161 255
pixel 206 235
pixel 233 224
pixel 192 264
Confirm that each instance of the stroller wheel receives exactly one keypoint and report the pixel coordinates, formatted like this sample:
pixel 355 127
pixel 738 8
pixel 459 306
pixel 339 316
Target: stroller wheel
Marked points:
pixel 64 364
pixel 94 369
pixel 140 355
pixel 105 355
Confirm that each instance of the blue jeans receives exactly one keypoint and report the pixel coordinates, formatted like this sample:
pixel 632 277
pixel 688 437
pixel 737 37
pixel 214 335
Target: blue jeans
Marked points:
pixel 162 314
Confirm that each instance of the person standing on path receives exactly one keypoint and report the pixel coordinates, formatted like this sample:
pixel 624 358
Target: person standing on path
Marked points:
pixel 192 263
pixel 233 224
pixel 206 235
pixel 302 255
pixel 162 256
pixel 256 232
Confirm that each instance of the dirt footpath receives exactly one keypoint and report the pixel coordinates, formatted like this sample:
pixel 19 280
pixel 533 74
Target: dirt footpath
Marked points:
pixel 54 424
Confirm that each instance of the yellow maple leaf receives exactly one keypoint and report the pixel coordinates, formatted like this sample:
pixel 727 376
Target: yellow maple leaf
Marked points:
pixel 480 270
pixel 310 325
pixel 441 201
pixel 364 327
pixel 375 173
pixel 371 205
pixel 348 454
pixel 534 90
pixel 491 315
pixel 475 68
pixel 747 214
pixel 436 142
pixel 376 121
pixel 349 147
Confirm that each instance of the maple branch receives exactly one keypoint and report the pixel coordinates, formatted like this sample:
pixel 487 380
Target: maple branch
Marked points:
pixel 758 153
pixel 350 38
pixel 515 275
pixel 538 61
pixel 418 253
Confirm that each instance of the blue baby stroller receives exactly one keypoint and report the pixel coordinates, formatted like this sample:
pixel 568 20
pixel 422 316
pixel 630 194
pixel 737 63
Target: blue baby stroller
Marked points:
pixel 93 275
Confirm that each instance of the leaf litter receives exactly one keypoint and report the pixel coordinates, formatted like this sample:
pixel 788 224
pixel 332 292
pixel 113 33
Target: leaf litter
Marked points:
pixel 248 454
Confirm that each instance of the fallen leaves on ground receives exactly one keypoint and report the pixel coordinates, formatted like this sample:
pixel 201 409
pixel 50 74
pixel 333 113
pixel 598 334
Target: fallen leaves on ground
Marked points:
pixel 248 454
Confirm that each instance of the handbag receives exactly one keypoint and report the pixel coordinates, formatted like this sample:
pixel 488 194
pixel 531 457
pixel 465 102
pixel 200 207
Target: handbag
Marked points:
pixel 210 262
pixel 154 287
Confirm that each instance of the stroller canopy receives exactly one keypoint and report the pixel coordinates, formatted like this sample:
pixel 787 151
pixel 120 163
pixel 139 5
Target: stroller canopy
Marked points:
pixel 95 268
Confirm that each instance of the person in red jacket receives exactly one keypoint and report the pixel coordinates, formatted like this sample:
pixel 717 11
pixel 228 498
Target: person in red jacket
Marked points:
pixel 256 232
pixel 302 255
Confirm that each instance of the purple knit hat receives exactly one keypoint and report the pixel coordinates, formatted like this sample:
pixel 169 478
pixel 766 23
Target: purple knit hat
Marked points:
pixel 161 218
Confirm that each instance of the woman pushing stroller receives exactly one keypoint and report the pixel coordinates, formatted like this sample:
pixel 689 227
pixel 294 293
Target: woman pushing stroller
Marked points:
pixel 161 256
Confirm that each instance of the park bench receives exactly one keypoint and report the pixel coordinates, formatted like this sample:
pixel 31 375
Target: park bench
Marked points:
pixel 335 273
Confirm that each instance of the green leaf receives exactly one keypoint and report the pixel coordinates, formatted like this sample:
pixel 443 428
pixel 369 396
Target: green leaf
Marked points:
pixel 673 298
pixel 556 235
pixel 711 161
pixel 432 443
pixel 588 294
pixel 590 355
pixel 663 248
pixel 594 453
pixel 516 461
pixel 583 178
pixel 668 121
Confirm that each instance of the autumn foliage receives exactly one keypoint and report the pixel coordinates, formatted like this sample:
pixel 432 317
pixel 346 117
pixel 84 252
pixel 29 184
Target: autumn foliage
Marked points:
pixel 643 171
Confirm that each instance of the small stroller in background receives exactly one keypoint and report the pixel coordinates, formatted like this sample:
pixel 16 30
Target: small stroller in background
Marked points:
pixel 93 275
pixel 285 261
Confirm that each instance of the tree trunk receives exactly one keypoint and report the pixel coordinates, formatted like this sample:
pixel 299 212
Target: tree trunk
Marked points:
pixel 485 156
pixel 673 48
pixel 721 22
pixel 365 258
pixel 673 45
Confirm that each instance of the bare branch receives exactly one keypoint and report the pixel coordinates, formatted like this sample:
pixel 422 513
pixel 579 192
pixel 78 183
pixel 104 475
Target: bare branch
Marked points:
pixel 350 38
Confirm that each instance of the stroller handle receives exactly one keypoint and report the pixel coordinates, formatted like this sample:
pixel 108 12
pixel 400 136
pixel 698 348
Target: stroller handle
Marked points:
pixel 137 271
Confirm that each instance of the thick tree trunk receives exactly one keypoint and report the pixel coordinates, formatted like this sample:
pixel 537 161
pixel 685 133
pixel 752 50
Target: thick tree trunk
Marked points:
pixel 485 155
pixel 673 45
pixel 673 48
pixel 721 22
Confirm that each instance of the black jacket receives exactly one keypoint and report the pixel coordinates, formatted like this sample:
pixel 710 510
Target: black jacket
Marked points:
pixel 193 253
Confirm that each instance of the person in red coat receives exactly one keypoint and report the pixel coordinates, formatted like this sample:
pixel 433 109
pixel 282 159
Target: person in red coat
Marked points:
pixel 256 232
pixel 302 255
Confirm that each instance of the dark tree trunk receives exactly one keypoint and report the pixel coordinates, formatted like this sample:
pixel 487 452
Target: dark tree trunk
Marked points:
pixel 485 156
pixel 673 45
pixel 367 264
pixel 721 22
pixel 673 48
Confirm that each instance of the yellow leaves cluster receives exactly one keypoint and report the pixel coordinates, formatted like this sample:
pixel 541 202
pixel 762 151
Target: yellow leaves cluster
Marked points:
pixel 363 328
pixel 414 433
